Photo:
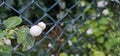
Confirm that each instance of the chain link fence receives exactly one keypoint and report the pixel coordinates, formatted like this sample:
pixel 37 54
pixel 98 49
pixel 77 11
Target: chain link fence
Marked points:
pixel 63 18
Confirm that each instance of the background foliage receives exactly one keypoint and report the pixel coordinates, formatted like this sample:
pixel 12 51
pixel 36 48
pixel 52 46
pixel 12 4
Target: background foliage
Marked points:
pixel 74 28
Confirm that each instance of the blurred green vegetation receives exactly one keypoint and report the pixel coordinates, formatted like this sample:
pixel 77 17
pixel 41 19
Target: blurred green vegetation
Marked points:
pixel 95 33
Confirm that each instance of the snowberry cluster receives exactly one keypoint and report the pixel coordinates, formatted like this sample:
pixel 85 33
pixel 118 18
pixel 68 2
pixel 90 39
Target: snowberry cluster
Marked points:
pixel 36 30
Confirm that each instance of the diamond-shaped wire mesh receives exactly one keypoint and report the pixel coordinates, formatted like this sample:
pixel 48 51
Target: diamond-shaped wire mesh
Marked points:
pixel 61 20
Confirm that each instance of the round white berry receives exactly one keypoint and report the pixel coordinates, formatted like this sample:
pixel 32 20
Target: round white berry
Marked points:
pixel 49 45
pixel 42 25
pixel 90 31
pixel 7 41
pixel 83 3
pixel 35 30
pixel 70 43
pixel 105 12
pixel 102 4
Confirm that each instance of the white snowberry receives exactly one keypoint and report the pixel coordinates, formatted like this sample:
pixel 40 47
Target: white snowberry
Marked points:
pixel 42 25
pixel 35 30
pixel 70 43
pixel 105 12
pixel 49 45
pixel 90 31
pixel 102 4
pixel 7 41
pixel 83 3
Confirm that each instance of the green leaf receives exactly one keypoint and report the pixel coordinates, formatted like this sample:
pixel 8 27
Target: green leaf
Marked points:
pixel 111 42
pixel 28 43
pixel 102 27
pixel 82 30
pixel 63 54
pixel 103 21
pixel 22 34
pixel 84 46
pixel 89 45
pixel 98 53
pixel 71 55
pixel 97 32
pixel 100 40
pixel 2 34
pixel 118 33
pixel 12 22
pixel 111 35
pixel 74 39
pixel 88 22
pixel 94 24
pixel 5 54
pixel 24 38
pixel 5 49
pixel 111 14
pixel 107 46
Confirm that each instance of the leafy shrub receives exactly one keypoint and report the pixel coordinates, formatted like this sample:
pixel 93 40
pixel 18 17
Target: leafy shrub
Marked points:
pixel 89 29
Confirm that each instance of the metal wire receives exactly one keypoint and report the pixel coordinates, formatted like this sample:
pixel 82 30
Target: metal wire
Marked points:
pixel 55 24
